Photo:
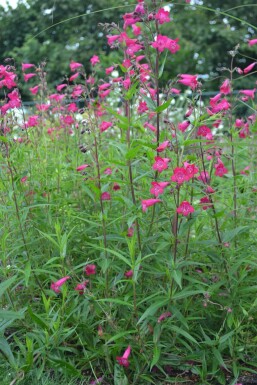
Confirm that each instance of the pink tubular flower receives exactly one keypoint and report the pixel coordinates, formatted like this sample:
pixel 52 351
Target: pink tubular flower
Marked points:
pixel 225 87
pixel 129 274
pixel 82 167
pixel 163 146
pixel 185 208
pixel 163 316
pixel 34 90
pixel 183 126
pixel 123 361
pixel 24 179
pixel 205 132
pixel 175 91
pixel 130 231
pixel 189 80
pixel 61 86
pixel 191 169
pixel 105 125
pixel 74 66
pixel 142 107
pixel 180 175
pixel 149 202
pixel 105 196
pixel 108 171
pixel 81 287
pixel 55 286
pixel 90 269
pixel 158 188
pixel 150 126
pixel 28 76
pixel 163 42
pixel 94 60
pixel 160 164
pixel 32 121
pixel 73 77
pixel 116 186
pixel 162 16
pixel 205 202
pixel 109 70
pixel 204 177
pixel 248 93
pixel 252 42
pixel 249 68
pixel 220 168
pixel 26 66
pixel 136 29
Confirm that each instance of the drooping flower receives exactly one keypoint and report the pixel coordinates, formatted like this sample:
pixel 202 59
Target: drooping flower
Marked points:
pixel 220 168
pixel 61 86
pixel 158 188
pixel 90 269
pixel 136 29
pixel 105 196
pixel 191 169
pixel 180 175
pixel 162 16
pixel 109 70
pixel 249 68
pixel 160 164
pixel 123 361
pixel 205 132
pixel 28 76
pixel 163 316
pixel 142 107
pixel 82 167
pixel 150 126
pixel 163 146
pixel 204 177
pixel 34 90
pixel 94 60
pixel 149 202
pixel 248 93
pixel 252 42
pixel 188 80
pixel 81 287
pixel 105 125
pixel 205 203
pixel 183 126
pixel 185 208
pixel 116 186
pixel 130 231
pixel 26 66
pixel 55 286
pixel 225 87
pixel 74 66
pixel 129 274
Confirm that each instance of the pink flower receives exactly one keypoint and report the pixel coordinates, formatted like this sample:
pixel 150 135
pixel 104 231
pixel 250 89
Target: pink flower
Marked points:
pixel 74 66
pixel 126 83
pixel 130 231
pixel 252 42
pixel 249 93
pixel 73 77
pixel 160 164
pixel 105 125
pixel 123 361
pixel 26 66
pixel 116 186
pixel 175 91
pixel 28 76
pixel 61 86
pixel 82 167
pixel 108 171
pixel 158 188
pixel 185 208
pixel 136 29
pixel 94 60
pixel 150 126
pixel 220 168
pixel 55 286
pixel 225 87
pixel 214 100
pixel 191 169
pixel 162 16
pixel 72 107
pixel 24 179
pixel 105 196
pixel 163 146
pixel 42 107
pixel 90 269
pixel 163 42
pixel 205 132
pixel 249 68
pixel 180 175
pixel 32 121
pixel 129 274
pixel 109 70
pixel 149 202
pixel 34 90
pixel 205 202
pixel 183 126
pixel 239 123
pixel 81 287
pixel 245 171
pixel 142 107
pixel 189 80
pixel 204 177
pixel 163 316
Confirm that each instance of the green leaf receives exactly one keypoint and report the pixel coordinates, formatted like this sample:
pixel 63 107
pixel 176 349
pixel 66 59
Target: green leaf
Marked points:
pixel 185 334
pixel 3 139
pixel 156 356
pixel 37 319
pixel 11 314
pixel 121 118
pixel 163 106
pixel 6 284
pixel 150 103
pixel 162 65
pixel 121 335
pixel 132 90
pixel 231 234
pixel 153 309
pixel 115 300
pixel 6 350
pixel 219 358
